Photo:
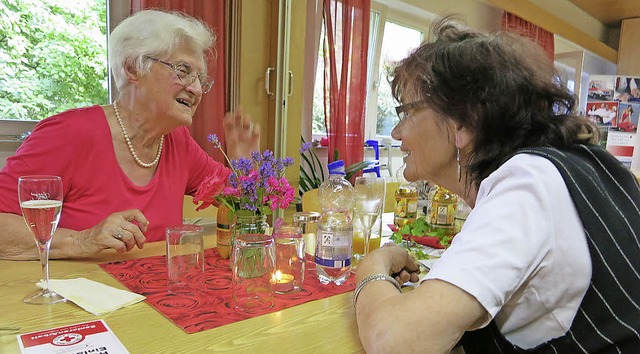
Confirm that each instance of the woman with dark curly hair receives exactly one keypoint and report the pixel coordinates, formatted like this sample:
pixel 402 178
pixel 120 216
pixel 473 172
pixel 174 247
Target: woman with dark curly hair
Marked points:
pixel 547 260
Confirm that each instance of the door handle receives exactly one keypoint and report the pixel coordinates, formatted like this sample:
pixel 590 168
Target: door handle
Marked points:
pixel 267 81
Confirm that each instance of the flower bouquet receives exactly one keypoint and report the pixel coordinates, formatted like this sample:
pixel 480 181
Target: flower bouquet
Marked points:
pixel 255 186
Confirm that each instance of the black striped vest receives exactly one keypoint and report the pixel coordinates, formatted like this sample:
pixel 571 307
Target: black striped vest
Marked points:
pixel 607 198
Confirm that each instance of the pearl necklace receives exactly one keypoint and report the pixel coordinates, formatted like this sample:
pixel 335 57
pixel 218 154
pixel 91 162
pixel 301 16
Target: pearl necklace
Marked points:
pixel 133 152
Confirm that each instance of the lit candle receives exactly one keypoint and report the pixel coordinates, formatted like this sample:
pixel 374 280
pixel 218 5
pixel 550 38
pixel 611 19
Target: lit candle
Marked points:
pixel 281 282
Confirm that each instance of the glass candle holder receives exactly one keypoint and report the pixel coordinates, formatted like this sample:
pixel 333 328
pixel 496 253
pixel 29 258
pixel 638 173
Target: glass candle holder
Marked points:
pixel 307 221
pixel 290 260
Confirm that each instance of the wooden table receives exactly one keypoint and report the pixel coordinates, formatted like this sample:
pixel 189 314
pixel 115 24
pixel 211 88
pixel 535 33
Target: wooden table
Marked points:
pixel 322 326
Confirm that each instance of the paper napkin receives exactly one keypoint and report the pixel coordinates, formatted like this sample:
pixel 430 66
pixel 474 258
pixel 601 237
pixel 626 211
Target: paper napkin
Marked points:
pixel 92 296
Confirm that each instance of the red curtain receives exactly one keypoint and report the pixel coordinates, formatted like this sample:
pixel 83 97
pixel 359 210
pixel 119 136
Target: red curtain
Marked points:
pixel 345 84
pixel 209 116
pixel 515 24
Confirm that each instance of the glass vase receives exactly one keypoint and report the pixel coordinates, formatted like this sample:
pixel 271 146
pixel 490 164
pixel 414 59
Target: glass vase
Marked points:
pixel 248 225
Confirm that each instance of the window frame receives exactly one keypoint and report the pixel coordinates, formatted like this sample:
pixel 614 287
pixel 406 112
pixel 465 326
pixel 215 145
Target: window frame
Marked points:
pixel 14 128
pixel 400 17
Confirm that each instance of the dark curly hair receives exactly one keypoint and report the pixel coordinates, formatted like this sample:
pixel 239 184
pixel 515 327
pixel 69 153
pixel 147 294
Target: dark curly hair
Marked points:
pixel 500 86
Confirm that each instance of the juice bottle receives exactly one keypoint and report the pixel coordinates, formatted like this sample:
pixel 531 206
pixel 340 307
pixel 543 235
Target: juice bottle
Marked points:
pixel 443 208
pixel 406 210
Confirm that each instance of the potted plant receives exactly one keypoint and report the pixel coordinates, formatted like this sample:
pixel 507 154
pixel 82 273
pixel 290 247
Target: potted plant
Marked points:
pixel 311 173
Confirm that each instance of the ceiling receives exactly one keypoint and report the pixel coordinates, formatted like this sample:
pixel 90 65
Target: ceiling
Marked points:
pixel 610 13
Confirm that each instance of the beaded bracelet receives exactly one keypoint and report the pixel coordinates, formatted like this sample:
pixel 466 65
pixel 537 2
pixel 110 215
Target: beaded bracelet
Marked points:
pixel 371 278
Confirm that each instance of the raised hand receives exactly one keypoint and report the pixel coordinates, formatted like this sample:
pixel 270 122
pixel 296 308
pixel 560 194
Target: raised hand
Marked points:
pixel 242 135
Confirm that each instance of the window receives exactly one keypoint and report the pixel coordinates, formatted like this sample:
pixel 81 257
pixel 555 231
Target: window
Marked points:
pixel 397 43
pixel 391 38
pixel 54 56
pixel 318 127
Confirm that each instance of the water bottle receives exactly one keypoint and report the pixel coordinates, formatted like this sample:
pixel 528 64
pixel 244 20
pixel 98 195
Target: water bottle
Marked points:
pixel 335 228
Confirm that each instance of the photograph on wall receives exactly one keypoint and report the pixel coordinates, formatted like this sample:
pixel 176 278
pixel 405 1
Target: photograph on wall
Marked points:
pixel 628 117
pixel 621 144
pixel 603 113
pixel 627 89
pixel 601 88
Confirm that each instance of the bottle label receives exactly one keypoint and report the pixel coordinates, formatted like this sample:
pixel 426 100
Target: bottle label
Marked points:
pixel 412 207
pixel 406 207
pixel 333 263
pixel 443 215
pixel 333 248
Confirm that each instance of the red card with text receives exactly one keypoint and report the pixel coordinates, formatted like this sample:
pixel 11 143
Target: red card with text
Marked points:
pixel 88 337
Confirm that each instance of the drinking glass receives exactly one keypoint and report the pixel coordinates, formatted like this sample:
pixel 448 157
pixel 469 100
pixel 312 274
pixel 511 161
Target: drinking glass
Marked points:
pixel 41 203
pixel 253 266
pixel 369 197
pixel 185 258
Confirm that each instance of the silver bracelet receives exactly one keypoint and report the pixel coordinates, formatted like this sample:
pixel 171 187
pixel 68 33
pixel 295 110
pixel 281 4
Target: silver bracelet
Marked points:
pixel 371 278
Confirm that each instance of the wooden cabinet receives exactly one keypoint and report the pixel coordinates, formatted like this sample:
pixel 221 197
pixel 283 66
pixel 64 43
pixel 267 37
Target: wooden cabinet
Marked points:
pixel 629 48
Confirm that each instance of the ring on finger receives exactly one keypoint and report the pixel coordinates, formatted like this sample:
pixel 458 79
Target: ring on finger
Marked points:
pixel 119 235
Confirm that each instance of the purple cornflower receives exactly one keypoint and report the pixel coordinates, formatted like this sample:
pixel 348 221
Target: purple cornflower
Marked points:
pixel 213 138
pixel 305 147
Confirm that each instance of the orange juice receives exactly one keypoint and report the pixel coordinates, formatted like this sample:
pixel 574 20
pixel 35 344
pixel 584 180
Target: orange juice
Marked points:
pixel 358 242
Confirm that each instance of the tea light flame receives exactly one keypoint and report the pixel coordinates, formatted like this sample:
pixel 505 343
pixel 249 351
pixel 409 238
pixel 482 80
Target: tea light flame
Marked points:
pixel 281 282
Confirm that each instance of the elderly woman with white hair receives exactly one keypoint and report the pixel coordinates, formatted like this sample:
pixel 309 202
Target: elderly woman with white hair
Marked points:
pixel 125 167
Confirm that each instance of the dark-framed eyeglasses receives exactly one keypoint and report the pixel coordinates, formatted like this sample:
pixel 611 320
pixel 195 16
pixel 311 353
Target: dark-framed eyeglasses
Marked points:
pixel 403 110
pixel 187 75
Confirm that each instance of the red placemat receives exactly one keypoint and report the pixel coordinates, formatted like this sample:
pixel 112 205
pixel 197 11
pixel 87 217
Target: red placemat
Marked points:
pixel 211 307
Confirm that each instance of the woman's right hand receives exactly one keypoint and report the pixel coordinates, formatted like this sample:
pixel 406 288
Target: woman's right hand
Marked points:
pixel 395 261
pixel 241 133
pixel 121 231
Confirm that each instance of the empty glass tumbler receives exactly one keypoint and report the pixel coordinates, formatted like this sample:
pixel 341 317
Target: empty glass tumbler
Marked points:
pixel 254 262
pixel 185 258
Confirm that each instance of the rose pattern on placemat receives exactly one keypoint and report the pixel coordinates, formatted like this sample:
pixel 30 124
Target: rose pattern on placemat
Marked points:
pixel 211 307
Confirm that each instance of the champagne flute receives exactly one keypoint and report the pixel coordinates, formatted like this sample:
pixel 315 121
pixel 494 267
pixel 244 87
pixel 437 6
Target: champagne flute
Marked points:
pixel 369 199
pixel 41 202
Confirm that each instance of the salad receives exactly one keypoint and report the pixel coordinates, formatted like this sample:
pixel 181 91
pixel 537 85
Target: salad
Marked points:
pixel 417 230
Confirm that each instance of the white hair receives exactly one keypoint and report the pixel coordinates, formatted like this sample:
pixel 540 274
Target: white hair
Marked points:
pixel 156 34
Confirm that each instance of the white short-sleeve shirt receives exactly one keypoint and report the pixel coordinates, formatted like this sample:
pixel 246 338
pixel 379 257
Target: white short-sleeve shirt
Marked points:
pixel 522 253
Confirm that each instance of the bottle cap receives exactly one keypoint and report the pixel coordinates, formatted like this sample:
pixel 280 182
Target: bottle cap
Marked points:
pixel 336 167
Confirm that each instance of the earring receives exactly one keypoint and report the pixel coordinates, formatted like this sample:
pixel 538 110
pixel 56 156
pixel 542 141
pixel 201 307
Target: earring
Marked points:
pixel 458 161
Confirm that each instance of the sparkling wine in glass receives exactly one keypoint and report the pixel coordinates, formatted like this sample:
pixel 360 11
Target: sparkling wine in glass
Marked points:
pixel 41 202
pixel 369 197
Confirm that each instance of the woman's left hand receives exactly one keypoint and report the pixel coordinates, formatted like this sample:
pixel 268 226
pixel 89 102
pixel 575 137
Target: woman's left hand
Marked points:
pixel 242 135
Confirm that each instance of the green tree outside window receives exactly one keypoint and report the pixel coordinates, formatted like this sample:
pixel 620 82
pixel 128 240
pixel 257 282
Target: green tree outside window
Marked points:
pixel 53 56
